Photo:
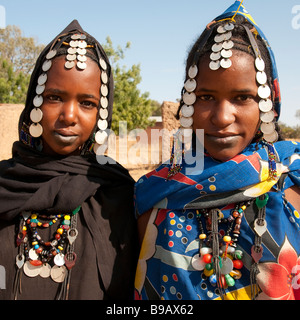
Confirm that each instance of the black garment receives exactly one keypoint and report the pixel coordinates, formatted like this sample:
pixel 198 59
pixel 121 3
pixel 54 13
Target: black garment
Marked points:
pixel 106 245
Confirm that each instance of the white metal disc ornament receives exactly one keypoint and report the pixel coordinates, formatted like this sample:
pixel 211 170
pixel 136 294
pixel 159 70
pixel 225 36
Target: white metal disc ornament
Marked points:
pixel 227 266
pixel 217 47
pixel 267 116
pixel 229 26
pixel 35 130
pixel 215 56
pixel 51 54
pixel 71 57
pixel 228 45
pixel 104 77
pixel 59 259
pixel 265 105
pixel 101 137
pixel 40 89
pixel 261 77
pixel 227 36
pixel 190 85
pixel 264 92
pixel 103 64
pixel 36 115
pixel 45 270
pixel 226 63
pixel 104 90
pixel 69 64
pixel 221 29
pixel 46 65
pixel 219 38
pixel 104 102
pixel 260 64
pixel 272 137
pixel 186 122
pixel 215 65
pixel 38 101
pixel 81 65
pixel 193 71
pixel 42 79
pixel 187 111
pixel 30 270
pixel 58 273
pixel 103 113
pixel 102 124
pixel 189 98
pixel 81 58
pixel 226 53
pixel 198 263
pixel 267 127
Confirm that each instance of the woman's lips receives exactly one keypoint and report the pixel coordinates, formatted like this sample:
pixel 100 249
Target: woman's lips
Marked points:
pixel 222 139
pixel 65 138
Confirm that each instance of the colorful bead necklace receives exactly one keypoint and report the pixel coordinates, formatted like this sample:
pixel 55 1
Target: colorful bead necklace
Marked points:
pixel 218 257
pixel 53 258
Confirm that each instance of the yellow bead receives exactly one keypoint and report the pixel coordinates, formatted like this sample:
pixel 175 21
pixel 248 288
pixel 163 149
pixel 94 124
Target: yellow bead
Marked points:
pixel 202 236
pixel 226 238
pixel 60 231
pixel 39 224
pixel 34 243
pixel 208 273
pixel 24 228
pixel 60 248
pixel 33 216
pixel 243 207
pixel 67 217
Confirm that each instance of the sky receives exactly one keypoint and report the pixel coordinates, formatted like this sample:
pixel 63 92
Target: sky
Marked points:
pixel 161 33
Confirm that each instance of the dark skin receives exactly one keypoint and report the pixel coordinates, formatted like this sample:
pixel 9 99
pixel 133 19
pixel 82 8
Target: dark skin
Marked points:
pixel 227 109
pixel 70 107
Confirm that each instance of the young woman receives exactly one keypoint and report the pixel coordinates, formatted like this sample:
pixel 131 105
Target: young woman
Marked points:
pixel 231 230
pixel 67 229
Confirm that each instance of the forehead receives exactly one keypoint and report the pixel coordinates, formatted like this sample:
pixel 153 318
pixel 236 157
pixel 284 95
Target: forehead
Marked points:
pixel 88 79
pixel 241 72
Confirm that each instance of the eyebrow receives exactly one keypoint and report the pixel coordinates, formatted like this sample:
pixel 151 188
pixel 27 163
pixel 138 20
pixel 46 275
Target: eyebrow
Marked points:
pixel 247 90
pixel 58 91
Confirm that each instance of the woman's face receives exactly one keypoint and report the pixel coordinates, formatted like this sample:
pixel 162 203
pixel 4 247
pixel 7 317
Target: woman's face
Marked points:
pixel 70 107
pixel 227 106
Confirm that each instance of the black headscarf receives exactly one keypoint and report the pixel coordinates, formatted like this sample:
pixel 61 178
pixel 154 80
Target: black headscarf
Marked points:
pixel 32 180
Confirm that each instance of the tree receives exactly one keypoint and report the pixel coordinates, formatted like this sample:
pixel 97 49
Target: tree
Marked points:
pixel 17 58
pixel 13 85
pixel 20 51
pixel 129 103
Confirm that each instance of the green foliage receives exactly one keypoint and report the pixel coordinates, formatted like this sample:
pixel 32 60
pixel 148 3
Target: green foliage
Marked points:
pixel 13 85
pixel 130 104
pixel 289 132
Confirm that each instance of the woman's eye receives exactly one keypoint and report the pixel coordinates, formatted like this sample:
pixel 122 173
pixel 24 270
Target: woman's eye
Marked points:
pixel 53 98
pixel 89 104
pixel 244 98
pixel 205 97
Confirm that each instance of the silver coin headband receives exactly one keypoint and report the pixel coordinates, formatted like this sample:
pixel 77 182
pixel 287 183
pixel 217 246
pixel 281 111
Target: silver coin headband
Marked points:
pixel 76 56
pixel 220 58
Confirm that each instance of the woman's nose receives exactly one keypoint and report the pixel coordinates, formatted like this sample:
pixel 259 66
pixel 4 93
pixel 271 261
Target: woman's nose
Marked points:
pixel 69 113
pixel 223 114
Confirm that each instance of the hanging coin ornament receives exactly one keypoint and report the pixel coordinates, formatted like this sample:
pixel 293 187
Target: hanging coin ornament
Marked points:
pixel 187 111
pixel 35 130
pixel 221 48
pixel 36 115
pixel 58 273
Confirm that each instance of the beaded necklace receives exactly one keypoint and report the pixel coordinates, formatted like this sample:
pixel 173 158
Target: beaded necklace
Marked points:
pixel 54 258
pixel 218 257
